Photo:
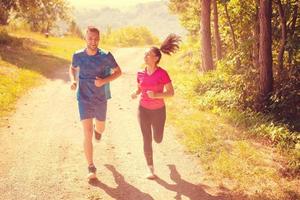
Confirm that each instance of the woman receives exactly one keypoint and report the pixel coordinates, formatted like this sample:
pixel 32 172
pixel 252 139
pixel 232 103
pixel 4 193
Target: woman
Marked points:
pixel 154 84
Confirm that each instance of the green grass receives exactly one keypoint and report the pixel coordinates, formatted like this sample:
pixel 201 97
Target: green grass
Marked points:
pixel 26 59
pixel 229 144
pixel 13 83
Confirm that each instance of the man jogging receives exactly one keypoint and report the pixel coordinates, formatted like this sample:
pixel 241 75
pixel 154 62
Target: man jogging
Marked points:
pixel 96 69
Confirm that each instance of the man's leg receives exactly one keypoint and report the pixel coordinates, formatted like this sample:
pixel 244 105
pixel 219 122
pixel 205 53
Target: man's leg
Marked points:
pixel 99 128
pixel 101 109
pixel 88 140
pixel 88 146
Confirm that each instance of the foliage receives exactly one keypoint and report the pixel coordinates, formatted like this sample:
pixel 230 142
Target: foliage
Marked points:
pixel 41 15
pixel 189 14
pixel 75 30
pixel 6 39
pixel 235 83
pixel 129 36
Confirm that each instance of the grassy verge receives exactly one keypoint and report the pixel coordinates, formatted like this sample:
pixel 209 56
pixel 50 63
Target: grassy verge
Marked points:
pixel 13 83
pixel 26 60
pixel 230 143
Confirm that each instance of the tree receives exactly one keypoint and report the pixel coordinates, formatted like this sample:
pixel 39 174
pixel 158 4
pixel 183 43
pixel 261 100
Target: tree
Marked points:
pixel 231 26
pixel 216 31
pixel 5 7
pixel 281 10
pixel 40 14
pixel 75 30
pixel 292 29
pixel 255 36
pixel 265 52
pixel 206 49
pixel 189 14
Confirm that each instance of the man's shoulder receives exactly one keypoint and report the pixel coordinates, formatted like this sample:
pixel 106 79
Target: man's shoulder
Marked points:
pixel 103 52
pixel 79 52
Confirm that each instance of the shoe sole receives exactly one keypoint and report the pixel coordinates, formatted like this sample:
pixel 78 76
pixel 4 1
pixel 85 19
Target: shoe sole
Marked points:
pixel 151 176
pixel 91 176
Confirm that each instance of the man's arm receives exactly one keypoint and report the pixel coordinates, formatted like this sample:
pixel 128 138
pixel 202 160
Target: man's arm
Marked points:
pixel 115 74
pixel 72 75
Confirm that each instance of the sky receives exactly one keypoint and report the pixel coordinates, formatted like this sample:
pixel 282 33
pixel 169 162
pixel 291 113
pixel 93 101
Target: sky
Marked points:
pixel 106 3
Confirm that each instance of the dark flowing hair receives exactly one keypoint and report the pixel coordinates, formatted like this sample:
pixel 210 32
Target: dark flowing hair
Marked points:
pixel 170 45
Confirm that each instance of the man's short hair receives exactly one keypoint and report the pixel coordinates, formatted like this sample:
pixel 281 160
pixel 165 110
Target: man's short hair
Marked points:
pixel 92 29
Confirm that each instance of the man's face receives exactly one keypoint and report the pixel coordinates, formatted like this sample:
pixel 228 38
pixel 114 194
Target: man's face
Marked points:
pixel 92 40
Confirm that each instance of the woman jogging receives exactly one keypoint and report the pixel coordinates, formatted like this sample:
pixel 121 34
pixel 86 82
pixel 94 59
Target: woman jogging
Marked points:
pixel 154 84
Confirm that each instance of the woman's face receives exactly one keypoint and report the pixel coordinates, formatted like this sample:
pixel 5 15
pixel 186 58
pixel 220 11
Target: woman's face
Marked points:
pixel 150 57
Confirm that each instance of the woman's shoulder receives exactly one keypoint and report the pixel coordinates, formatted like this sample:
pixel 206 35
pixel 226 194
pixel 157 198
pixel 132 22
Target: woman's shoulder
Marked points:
pixel 141 71
pixel 162 70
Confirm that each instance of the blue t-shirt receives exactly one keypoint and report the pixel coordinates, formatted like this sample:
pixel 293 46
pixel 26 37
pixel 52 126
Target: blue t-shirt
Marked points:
pixel 99 65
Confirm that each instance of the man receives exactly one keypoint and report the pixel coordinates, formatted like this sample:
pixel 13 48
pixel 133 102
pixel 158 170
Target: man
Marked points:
pixel 96 69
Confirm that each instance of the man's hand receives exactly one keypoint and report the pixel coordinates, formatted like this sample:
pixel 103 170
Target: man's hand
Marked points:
pixel 99 82
pixel 73 85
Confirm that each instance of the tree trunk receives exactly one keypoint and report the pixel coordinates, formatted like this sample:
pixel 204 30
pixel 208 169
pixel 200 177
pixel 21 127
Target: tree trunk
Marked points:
pixel 207 62
pixel 216 31
pixel 283 35
pixel 255 44
pixel 4 14
pixel 265 53
pixel 231 27
pixel 292 31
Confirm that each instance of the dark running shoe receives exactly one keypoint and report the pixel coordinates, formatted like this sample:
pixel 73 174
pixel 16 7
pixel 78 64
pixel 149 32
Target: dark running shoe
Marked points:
pixel 97 135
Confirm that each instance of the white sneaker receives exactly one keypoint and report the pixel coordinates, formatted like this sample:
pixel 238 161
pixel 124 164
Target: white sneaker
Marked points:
pixel 150 175
pixel 92 172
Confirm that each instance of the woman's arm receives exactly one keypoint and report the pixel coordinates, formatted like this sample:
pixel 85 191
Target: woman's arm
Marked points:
pixel 169 92
pixel 136 93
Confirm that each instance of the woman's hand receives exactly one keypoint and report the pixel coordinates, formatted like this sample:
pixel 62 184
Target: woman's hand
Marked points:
pixel 73 85
pixel 133 95
pixel 99 82
pixel 151 94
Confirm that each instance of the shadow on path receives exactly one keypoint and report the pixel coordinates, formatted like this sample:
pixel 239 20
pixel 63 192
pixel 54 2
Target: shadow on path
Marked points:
pixel 124 190
pixel 25 57
pixel 185 188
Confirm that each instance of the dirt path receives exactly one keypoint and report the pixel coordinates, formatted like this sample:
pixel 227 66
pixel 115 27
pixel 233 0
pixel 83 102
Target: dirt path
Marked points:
pixel 42 154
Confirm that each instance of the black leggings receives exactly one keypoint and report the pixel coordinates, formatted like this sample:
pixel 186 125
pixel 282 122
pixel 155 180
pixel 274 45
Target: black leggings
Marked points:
pixel 154 119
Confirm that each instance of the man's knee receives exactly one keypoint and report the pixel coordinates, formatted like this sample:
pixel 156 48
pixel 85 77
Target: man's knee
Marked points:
pixel 100 127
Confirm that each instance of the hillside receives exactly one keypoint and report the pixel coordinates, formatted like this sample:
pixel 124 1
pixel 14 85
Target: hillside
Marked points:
pixel 154 15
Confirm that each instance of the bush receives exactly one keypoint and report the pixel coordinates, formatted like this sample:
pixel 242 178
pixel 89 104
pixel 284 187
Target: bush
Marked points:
pixel 6 39
pixel 130 36
pixel 285 101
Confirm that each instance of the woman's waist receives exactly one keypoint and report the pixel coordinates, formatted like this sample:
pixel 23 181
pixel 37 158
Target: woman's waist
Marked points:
pixel 152 103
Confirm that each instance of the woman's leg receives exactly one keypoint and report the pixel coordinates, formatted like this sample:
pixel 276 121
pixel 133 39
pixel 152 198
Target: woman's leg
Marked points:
pixel 145 125
pixel 158 119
